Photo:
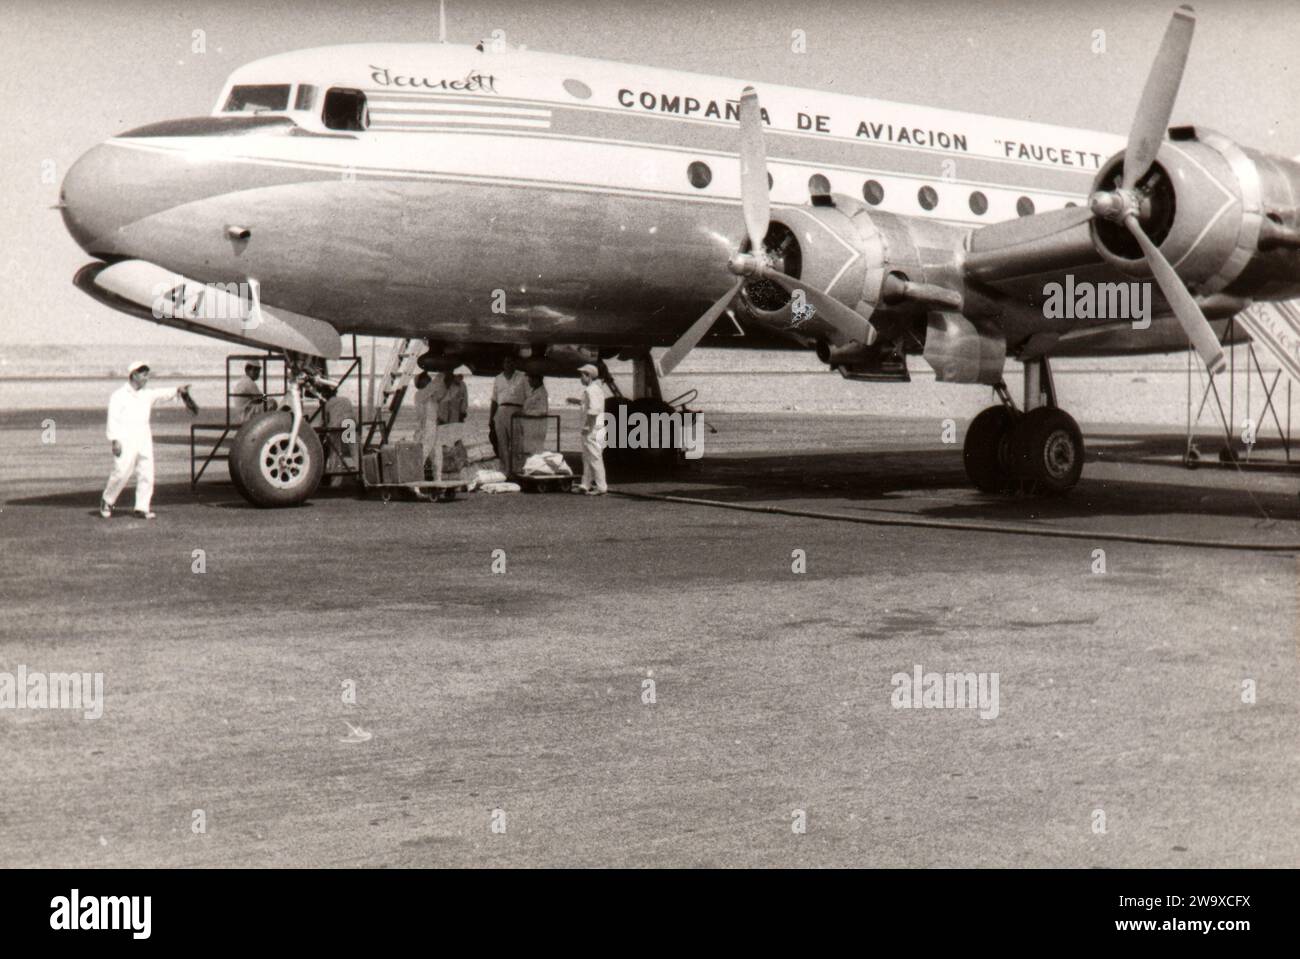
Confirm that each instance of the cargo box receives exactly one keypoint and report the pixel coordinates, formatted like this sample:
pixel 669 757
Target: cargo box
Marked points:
pixel 402 463
pixel 370 469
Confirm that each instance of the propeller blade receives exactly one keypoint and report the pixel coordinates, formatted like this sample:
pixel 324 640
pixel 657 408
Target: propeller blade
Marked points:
pixel 753 170
pixel 1189 314
pixel 686 342
pixel 1157 104
pixel 851 324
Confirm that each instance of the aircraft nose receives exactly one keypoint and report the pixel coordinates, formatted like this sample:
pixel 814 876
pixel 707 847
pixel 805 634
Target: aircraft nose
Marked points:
pixel 97 199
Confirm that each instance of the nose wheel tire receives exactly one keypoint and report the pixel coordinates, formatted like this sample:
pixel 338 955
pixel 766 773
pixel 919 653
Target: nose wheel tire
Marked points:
pixel 270 472
pixel 1047 449
pixel 986 451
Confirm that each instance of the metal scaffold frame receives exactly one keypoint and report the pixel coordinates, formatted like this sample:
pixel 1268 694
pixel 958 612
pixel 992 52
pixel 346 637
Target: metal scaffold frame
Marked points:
pixel 1228 420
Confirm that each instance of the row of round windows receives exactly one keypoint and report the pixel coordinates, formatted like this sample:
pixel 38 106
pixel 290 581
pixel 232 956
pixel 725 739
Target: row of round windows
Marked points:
pixel 873 192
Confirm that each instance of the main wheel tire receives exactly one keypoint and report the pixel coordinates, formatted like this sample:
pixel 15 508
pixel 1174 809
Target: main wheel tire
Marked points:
pixel 271 474
pixel 1047 449
pixel 985 450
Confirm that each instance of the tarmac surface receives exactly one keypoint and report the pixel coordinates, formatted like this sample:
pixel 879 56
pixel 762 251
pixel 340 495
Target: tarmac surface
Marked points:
pixel 517 698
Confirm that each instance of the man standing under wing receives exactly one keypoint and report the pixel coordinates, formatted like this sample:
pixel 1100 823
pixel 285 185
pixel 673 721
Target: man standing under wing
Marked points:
pixel 593 433
pixel 507 400
pixel 128 430
pixel 429 391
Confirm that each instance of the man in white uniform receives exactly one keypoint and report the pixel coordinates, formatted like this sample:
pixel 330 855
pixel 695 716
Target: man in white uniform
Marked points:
pixel 128 430
pixel 507 399
pixel 248 396
pixel 429 391
pixel 593 433
pixel 537 404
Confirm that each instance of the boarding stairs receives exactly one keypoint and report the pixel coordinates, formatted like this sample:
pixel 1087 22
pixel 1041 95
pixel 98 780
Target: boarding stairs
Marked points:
pixel 1274 330
pixel 402 368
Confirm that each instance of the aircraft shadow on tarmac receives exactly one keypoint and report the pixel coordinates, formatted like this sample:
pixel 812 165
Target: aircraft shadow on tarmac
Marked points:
pixel 939 476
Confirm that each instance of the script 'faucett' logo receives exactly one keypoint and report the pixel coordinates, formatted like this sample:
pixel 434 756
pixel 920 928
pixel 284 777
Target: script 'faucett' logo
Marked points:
pixel 472 82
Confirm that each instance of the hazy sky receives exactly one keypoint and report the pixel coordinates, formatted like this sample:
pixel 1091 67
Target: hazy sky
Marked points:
pixel 72 74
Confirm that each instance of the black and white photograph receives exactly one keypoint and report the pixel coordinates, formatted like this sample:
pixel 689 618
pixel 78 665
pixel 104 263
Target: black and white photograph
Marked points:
pixel 656 436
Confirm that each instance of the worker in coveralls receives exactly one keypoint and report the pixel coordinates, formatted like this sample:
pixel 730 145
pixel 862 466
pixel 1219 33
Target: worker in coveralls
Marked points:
pixel 593 433
pixel 429 390
pixel 128 430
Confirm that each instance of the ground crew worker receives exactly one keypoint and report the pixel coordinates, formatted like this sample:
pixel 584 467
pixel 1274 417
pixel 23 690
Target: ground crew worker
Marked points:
pixel 537 403
pixel 128 431
pixel 453 409
pixel 507 400
pixel 593 433
pixel 428 391
pixel 339 422
pixel 250 397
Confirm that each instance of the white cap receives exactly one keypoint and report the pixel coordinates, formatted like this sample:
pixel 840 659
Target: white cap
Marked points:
pixel 462 370
pixel 136 365
pixel 589 368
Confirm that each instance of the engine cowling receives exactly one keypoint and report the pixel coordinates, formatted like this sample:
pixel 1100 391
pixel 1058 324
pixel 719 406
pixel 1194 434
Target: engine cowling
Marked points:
pixel 1210 205
pixel 837 249
pixel 843 248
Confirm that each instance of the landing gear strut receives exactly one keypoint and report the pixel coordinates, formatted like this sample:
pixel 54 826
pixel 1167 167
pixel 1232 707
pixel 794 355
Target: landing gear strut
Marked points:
pixel 1038 450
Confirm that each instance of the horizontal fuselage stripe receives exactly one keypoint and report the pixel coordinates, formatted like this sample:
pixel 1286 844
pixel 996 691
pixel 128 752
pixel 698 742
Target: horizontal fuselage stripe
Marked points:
pixel 420 107
pixel 426 120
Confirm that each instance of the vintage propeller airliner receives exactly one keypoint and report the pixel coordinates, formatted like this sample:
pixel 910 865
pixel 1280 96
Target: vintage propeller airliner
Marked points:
pixel 496 201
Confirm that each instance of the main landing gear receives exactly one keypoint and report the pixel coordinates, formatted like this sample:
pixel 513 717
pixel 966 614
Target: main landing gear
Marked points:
pixel 647 404
pixel 1038 450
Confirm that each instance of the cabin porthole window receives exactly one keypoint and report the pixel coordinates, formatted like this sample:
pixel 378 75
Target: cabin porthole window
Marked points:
pixel 873 192
pixel 1025 206
pixel 979 203
pixel 818 185
pixel 927 197
pixel 699 174
pixel 576 88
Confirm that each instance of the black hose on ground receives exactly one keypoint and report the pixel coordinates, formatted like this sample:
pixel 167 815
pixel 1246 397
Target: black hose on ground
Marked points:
pixel 972 527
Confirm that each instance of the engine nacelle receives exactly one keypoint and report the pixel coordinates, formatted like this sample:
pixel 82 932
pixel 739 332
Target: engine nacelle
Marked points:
pixel 841 247
pixel 1209 206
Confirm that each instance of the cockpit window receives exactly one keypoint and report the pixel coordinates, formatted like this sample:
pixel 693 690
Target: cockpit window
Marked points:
pixel 306 97
pixel 258 98
pixel 345 109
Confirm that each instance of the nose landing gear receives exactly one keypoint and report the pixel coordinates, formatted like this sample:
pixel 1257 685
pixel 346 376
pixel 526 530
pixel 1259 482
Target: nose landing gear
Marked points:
pixel 1039 450
pixel 276 458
